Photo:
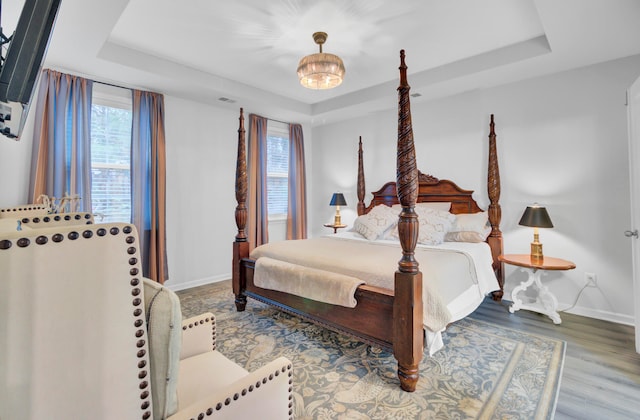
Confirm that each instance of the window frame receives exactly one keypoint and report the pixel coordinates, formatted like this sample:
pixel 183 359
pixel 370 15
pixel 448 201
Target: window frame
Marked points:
pixel 112 97
pixel 281 130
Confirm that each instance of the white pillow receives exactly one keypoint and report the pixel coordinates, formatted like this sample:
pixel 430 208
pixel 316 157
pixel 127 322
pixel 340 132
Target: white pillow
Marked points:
pixel 374 224
pixel 469 227
pixel 438 205
pixel 433 225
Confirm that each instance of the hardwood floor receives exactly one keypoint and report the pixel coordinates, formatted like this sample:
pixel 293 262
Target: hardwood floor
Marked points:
pixel 601 375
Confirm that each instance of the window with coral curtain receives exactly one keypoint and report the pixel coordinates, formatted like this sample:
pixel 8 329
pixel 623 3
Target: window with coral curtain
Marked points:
pixel 257 221
pixel 297 209
pixel 258 199
pixel 148 188
pixel 61 155
pixel 61 158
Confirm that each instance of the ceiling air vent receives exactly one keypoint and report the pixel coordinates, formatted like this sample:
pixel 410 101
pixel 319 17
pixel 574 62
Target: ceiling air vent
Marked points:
pixel 416 95
pixel 223 99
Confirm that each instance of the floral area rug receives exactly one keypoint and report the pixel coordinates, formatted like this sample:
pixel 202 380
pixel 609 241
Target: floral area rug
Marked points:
pixel 483 371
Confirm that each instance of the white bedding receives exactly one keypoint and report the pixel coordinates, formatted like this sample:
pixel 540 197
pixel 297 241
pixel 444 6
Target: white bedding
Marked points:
pixel 461 272
pixel 461 294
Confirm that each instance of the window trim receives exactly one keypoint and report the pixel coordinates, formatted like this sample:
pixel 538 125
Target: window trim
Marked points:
pixel 279 129
pixel 112 97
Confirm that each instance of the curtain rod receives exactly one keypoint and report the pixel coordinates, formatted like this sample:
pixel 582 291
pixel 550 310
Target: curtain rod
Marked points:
pixel 127 88
pixel 92 78
pixel 112 84
pixel 281 122
pixel 273 119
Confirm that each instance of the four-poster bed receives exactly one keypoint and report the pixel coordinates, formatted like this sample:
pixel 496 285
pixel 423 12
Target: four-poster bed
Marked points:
pixel 390 317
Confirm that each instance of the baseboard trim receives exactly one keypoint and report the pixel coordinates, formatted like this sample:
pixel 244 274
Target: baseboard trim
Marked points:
pixel 195 283
pixel 589 312
pixel 603 315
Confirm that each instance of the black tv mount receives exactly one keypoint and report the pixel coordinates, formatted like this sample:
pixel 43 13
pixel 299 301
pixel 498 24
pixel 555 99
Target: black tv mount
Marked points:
pixel 3 41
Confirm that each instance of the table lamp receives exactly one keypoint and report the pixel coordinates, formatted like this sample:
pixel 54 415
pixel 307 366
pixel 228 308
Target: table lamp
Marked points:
pixel 536 217
pixel 337 200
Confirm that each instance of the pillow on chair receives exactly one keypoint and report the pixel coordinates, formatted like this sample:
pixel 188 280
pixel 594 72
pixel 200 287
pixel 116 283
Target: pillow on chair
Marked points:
pixel 164 329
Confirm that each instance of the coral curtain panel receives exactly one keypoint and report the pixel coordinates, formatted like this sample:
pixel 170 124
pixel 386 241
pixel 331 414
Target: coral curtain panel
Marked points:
pixel 61 157
pixel 258 218
pixel 148 182
pixel 297 207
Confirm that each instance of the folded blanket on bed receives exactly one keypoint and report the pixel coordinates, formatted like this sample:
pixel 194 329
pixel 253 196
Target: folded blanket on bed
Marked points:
pixel 323 286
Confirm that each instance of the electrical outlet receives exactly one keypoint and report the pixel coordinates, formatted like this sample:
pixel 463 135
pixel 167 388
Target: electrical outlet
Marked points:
pixel 591 279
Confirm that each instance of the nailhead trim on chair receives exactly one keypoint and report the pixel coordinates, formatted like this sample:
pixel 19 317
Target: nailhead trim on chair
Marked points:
pixel 140 331
pixel 236 396
pixel 58 217
pixel 28 208
pixel 200 322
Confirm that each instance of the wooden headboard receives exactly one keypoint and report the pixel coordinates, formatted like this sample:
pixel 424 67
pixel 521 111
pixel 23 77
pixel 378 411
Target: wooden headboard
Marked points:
pixel 430 189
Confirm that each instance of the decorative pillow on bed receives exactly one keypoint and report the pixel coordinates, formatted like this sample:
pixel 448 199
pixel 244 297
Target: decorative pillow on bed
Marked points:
pixel 434 225
pixel 374 224
pixel 472 227
pixel 438 205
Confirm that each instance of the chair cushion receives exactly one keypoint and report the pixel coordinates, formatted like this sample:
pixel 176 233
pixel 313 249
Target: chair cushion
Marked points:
pixel 164 321
pixel 204 374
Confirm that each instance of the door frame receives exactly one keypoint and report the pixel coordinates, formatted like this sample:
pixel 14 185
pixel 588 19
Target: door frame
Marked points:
pixel 633 118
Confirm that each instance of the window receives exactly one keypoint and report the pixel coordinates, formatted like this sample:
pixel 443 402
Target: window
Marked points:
pixel 111 154
pixel 277 169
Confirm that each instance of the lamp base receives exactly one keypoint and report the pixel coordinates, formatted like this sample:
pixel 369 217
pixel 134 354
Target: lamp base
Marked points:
pixel 536 251
pixel 337 220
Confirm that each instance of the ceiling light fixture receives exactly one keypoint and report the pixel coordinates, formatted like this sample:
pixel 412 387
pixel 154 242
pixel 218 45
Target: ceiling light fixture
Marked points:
pixel 321 70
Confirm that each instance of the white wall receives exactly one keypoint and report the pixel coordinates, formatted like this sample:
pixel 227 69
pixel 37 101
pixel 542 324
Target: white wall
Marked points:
pixel 15 165
pixel 201 152
pixel 562 141
pixel 201 165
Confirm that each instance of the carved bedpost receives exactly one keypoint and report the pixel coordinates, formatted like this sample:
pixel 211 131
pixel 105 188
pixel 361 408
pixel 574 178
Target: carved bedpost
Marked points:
pixel 361 188
pixel 241 244
pixel 408 341
pixel 495 213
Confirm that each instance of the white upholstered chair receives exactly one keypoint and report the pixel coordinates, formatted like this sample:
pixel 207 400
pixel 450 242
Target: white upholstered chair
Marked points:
pixel 83 335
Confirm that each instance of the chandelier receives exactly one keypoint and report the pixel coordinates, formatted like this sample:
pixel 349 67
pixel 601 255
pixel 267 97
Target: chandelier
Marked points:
pixel 320 70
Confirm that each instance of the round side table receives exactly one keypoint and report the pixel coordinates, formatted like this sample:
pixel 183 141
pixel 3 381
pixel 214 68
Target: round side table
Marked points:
pixel 546 303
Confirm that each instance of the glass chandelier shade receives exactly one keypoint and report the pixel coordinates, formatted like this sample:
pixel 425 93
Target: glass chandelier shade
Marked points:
pixel 321 70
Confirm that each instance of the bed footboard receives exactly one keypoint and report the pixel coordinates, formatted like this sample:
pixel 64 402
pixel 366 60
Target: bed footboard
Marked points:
pixel 371 320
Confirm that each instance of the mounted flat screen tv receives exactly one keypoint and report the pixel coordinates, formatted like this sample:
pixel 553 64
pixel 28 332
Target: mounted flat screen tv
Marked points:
pixel 22 63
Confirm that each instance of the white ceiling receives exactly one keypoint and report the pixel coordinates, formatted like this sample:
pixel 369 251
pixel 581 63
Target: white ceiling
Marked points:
pixel 248 50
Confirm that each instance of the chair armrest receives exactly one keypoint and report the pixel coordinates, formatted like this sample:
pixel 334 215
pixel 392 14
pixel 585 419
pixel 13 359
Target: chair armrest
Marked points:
pixel 265 393
pixel 198 335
